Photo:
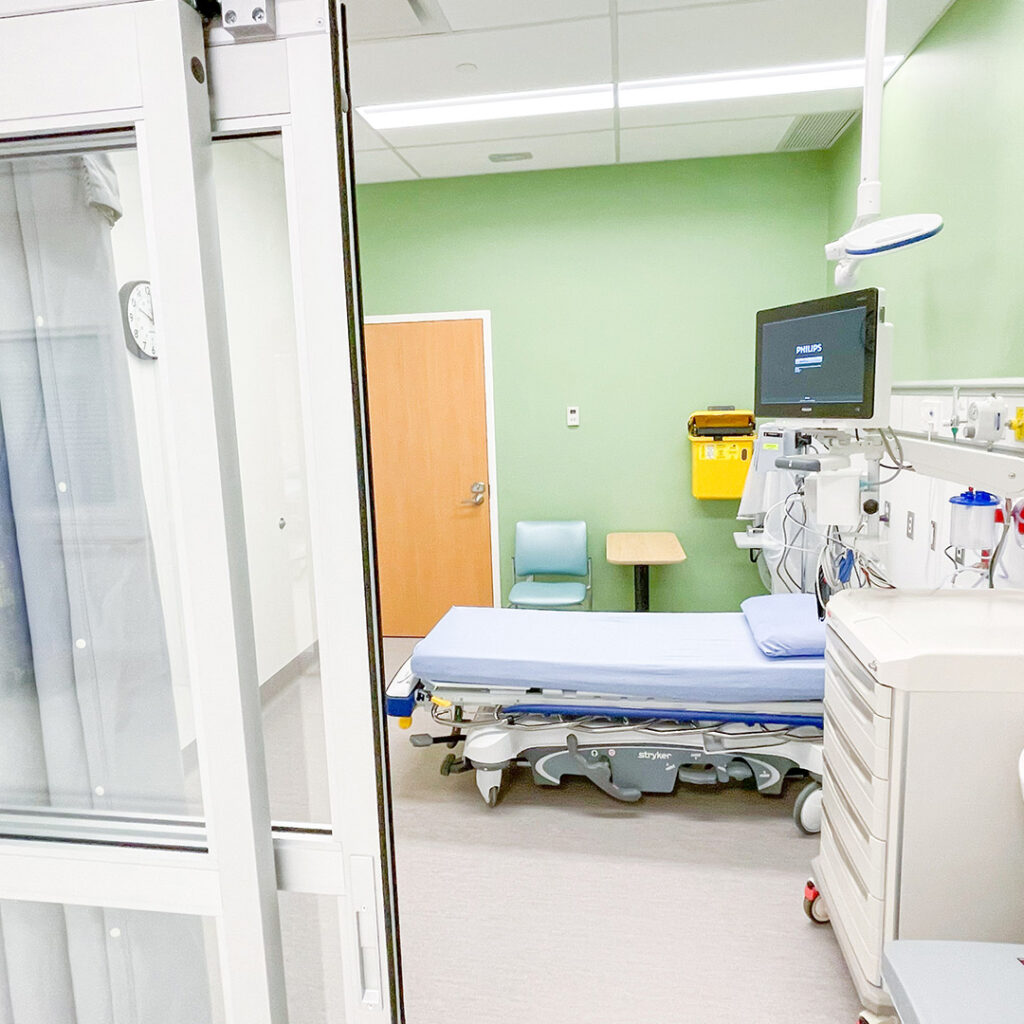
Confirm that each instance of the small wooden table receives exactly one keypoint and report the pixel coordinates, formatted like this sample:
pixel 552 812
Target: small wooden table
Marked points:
pixel 642 550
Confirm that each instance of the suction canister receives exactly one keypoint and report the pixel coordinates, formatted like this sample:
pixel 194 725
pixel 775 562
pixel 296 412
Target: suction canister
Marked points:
pixel 972 520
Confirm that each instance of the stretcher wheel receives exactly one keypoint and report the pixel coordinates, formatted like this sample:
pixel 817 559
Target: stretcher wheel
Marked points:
pixel 807 809
pixel 814 905
pixel 488 783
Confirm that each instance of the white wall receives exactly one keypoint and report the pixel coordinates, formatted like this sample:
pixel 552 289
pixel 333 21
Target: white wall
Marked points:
pixel 257 281
pixel 913 562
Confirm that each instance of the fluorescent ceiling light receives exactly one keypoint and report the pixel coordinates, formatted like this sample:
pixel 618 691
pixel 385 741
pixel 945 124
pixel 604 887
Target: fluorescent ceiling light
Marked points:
pixel 489 108
pixel 656 92
pixel 748 84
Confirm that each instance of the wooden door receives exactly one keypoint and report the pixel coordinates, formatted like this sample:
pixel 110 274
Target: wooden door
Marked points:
pixel 428 443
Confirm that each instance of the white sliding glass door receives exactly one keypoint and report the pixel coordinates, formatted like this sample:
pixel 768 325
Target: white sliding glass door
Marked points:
pixel 193 823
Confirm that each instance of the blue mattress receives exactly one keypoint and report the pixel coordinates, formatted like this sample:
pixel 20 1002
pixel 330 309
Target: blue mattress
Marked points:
pixel 698 656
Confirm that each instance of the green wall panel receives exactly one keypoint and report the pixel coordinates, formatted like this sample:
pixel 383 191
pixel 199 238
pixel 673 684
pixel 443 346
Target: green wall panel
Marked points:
pixel 953 143
pixel 629 291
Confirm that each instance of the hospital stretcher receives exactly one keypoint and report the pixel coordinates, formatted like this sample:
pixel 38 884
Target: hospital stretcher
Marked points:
pixel 634 703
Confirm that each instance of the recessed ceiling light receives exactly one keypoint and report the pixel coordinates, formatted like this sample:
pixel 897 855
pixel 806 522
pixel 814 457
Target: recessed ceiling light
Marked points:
pixel 748 84
pixel 509 158
pixel 489 108
pixel 466 68
pixel 804 78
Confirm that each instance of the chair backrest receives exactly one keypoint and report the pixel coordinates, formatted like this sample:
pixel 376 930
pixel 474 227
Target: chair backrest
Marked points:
pixel 551 548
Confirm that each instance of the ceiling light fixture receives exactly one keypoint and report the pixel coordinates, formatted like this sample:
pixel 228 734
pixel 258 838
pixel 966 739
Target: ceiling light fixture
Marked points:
pixel 508 158
pixel 749 84
pixel 489 108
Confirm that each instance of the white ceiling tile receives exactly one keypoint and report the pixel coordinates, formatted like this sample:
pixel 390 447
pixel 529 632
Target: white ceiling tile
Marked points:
pixel 364 136
pixel 511 128
pixel 379 19
pixel 585 149
pixel 734 36
pixel 909 20
pixel 508 60
pixel 470 14
pixel 716 138
pixel 631 6
pixel 380 165
pixel 733 110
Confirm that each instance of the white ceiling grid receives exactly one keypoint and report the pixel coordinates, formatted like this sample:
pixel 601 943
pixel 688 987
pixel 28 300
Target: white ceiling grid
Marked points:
pixel 418 50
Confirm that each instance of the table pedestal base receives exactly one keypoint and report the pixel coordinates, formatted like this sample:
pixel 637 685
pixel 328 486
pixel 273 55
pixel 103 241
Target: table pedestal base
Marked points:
pixel 641 588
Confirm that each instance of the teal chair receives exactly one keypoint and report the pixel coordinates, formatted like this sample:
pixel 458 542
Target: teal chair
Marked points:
pixel 550 549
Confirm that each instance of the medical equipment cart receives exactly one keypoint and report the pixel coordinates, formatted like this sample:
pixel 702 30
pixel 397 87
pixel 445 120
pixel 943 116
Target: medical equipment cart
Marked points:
pixel 924 723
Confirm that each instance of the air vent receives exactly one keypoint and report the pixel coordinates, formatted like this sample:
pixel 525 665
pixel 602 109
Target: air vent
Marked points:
pixel 816 131
pixel 509 158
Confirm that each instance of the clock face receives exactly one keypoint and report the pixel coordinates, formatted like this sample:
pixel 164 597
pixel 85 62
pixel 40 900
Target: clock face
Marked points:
pixel 139 324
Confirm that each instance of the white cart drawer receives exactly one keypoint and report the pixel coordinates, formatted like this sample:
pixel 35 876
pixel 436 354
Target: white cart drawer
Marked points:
pixel 867 732
pixel 859 913
pixel 868 793
pixel 878 698
pixel 866 853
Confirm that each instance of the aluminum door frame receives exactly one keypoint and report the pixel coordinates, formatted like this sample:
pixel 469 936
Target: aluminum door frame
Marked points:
pixel 145 68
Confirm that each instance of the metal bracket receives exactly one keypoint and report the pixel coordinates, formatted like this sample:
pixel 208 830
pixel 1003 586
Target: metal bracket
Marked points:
pixel 249 19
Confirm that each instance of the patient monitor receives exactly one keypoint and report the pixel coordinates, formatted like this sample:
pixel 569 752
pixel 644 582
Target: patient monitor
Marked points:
pixel 825 362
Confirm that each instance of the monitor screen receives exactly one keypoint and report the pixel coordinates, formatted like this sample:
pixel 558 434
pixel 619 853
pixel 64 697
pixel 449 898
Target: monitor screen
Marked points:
pixel 817 359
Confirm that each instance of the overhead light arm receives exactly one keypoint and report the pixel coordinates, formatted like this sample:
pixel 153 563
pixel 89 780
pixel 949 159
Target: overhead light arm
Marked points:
pixel 869 235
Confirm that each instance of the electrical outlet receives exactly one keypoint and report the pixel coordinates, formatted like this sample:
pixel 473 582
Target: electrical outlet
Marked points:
pixel 931 409
pixel 933 534
pixel 886 517
pixel 910 526
pixel 572 415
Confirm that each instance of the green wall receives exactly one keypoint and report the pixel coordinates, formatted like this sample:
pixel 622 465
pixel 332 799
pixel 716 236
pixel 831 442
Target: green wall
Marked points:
pixel 953 143
pixel 629 291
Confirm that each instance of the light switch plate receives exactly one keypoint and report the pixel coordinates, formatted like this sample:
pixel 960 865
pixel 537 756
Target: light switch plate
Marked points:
pixel 572 415
pixel 910 526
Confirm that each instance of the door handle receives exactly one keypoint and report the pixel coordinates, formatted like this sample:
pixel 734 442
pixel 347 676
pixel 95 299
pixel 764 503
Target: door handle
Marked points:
pixel 479 491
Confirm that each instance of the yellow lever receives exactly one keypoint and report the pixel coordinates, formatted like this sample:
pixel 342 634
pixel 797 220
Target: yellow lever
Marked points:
pixel 1017 424
pixel 441 702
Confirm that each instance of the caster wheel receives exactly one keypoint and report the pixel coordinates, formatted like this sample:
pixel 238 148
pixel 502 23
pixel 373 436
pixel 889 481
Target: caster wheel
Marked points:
pixel 492 796
pixel 814 905
pixel 807 809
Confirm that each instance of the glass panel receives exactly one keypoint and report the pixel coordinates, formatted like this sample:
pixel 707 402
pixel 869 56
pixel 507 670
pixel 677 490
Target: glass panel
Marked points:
pixel 311 937
pixel 94 709
pixel 94 965
pixel 253 220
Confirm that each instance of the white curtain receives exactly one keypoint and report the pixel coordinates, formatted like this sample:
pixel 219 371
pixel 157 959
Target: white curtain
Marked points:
pixel 87 717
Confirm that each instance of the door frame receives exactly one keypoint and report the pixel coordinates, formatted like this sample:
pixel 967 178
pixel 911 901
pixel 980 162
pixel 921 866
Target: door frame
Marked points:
pixel 230 865
pixel 492 454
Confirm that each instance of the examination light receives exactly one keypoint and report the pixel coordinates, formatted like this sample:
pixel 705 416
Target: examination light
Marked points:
pixel 870 234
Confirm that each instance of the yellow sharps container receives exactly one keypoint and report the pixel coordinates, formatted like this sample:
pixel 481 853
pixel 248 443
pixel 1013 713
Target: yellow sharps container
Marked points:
pixel 722 443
